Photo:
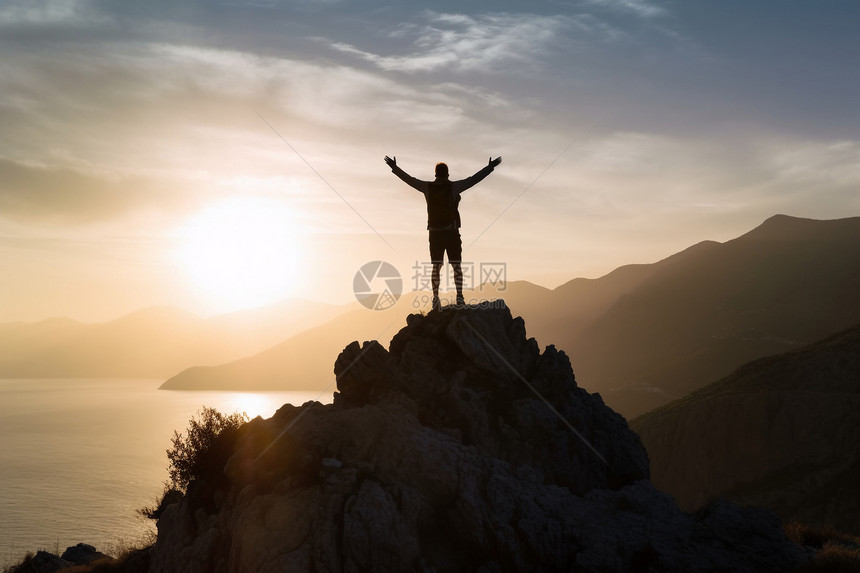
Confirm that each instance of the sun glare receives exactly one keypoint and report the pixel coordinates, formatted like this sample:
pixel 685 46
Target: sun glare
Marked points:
pixel 252 404
pixel 242 252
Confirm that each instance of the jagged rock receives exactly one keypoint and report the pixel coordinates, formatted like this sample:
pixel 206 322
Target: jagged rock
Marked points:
pixel 83 554
pixel 463 448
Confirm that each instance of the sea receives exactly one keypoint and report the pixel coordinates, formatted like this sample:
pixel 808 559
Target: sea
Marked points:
pixel 80 457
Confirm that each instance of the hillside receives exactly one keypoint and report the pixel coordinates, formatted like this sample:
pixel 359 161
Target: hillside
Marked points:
pixel 462 448
pixel 707 310
pixel 780 432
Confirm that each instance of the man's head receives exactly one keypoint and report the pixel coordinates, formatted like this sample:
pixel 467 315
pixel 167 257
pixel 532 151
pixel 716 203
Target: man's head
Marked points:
pixel 441 170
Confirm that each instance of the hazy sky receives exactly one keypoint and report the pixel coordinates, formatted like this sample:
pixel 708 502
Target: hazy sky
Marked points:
pixel 140 164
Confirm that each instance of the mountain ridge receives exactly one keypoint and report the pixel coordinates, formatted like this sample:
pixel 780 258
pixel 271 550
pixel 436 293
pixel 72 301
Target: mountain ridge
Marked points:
pixel 719 305
pixel 791 443
pixel 680 322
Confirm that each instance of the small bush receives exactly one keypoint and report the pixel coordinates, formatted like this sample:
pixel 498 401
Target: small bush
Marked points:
pixel 191 453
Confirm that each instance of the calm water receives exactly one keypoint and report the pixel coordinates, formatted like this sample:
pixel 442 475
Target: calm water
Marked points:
pixel 78 457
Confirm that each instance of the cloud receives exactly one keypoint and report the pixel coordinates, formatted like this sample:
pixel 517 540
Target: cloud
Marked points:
pixel 461 42
pixel 641 8
pixel 818 164
pixel 32 192
pixel 176 107
pixel 634 175
pixel 184 114
pixel 38 13
pixel 172 124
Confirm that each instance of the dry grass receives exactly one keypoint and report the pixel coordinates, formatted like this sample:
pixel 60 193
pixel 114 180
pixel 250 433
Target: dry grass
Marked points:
pixel 14 568
pixel 836 552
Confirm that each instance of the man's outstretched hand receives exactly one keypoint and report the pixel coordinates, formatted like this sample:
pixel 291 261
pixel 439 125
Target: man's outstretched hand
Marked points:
pixel 494 162
pixel 391 161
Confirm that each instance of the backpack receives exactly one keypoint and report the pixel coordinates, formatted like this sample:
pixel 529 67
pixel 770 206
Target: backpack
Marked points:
pixel 442 206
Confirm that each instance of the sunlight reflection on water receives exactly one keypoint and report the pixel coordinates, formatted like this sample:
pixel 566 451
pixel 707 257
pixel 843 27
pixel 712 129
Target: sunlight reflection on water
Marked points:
pixel 79 457
pixel 252 403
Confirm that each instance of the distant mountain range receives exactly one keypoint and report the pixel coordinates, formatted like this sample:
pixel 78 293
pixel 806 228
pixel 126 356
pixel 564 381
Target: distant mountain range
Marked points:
pixel 780 432
pixel 305 361
pixel 151 343
pixel 696 316
pixel 641 335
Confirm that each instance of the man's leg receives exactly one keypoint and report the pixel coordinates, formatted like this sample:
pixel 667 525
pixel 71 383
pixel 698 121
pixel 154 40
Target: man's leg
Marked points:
pixel 458 281
pixel 434 280
pixel 437 252
pixel 454 246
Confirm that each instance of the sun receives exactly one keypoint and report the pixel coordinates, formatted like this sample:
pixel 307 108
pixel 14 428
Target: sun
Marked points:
pixel 242 252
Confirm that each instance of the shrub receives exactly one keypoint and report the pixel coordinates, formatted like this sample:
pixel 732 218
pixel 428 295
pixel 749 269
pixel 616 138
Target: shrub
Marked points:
pixel 191 452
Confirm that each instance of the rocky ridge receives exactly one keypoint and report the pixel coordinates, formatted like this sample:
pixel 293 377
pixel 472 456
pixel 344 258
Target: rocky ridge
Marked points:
pixel 461 448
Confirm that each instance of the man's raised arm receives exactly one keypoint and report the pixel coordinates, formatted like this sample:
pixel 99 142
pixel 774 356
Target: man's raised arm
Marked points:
pixel 463 184
pixel 408 179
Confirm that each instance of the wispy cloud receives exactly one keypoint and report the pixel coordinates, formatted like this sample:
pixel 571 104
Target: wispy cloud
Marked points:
pixel 170 124
pixel 641 8
pixel 164 94
pixel 817 164
pixel 463 42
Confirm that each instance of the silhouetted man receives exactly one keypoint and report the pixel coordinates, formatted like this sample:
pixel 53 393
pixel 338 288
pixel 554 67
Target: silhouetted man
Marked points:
pixel 443 218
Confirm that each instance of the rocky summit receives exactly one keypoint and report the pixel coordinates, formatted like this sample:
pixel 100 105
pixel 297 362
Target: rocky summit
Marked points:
pixel 461 448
